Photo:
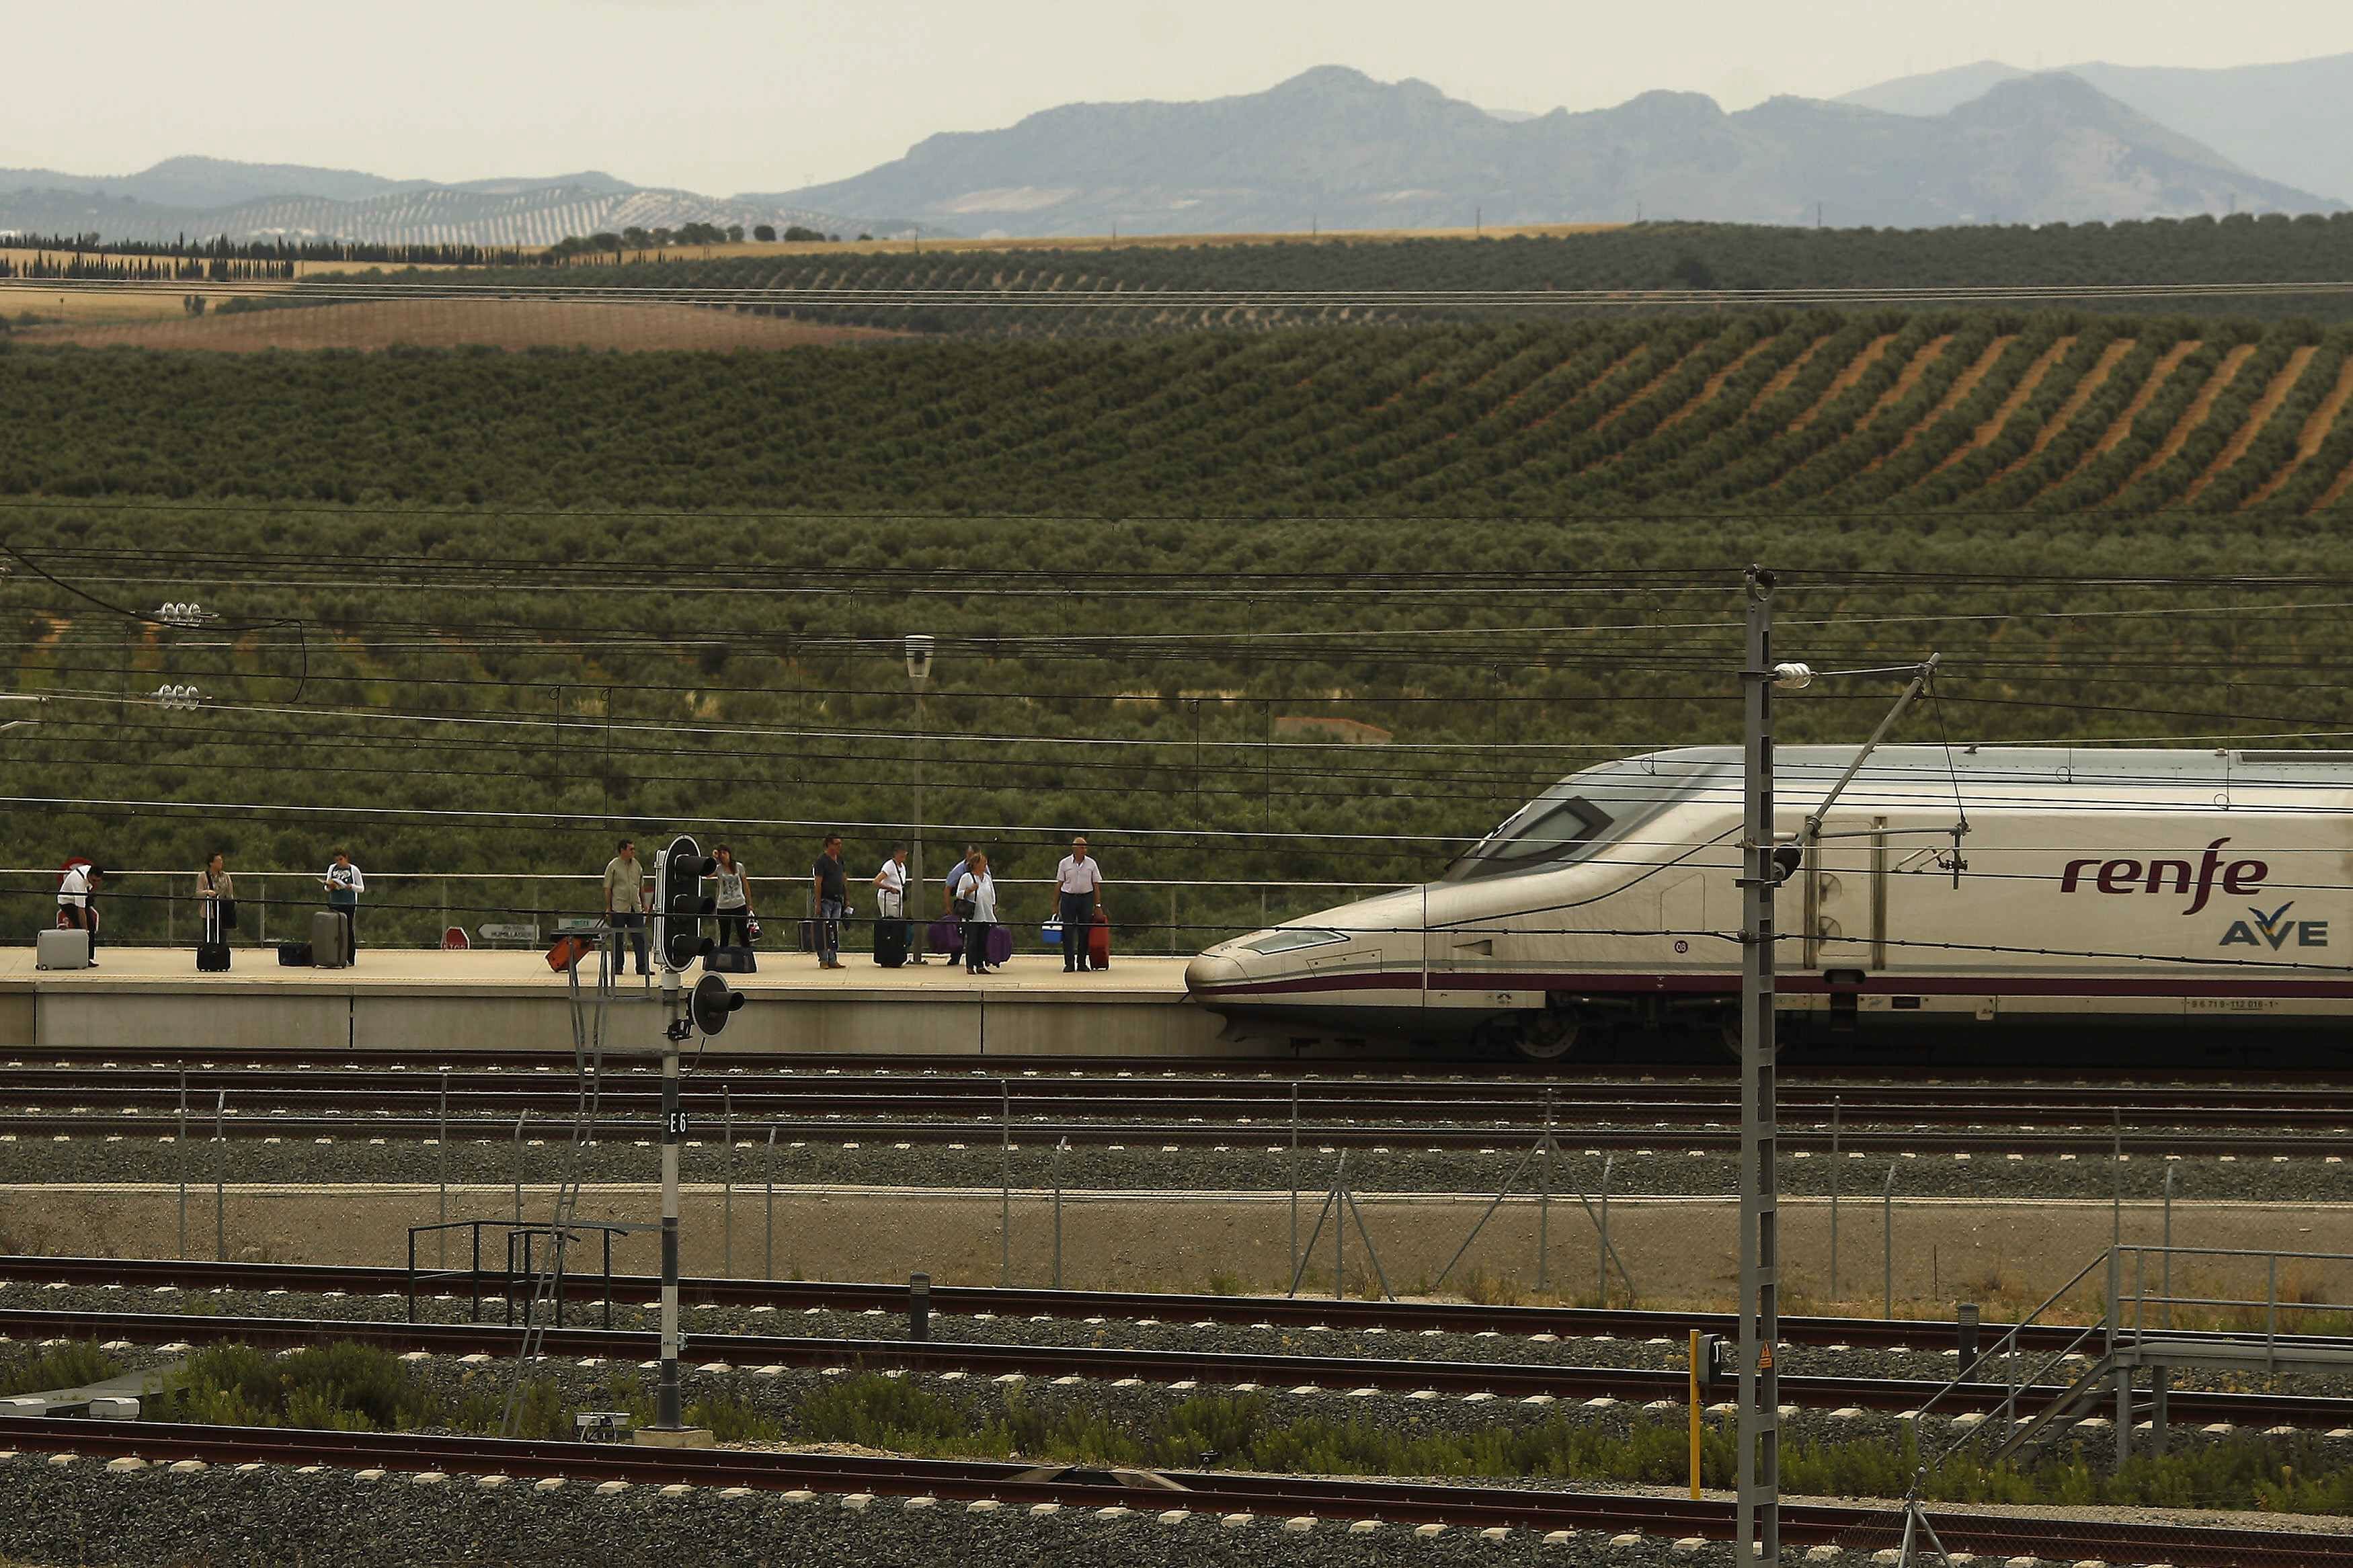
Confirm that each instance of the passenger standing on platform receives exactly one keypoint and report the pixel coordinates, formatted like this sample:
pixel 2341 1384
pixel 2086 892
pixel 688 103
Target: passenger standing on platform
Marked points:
pixel 830 883
pixel 1078 882
pixel 947 902
pixel 217 894
pixel 733 904
pixel 975 904
pixel 344 885
pixel 624 901
pixel 890 897
pixel 77 901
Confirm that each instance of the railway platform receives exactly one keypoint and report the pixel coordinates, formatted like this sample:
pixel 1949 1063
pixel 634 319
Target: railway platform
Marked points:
pixel 399 999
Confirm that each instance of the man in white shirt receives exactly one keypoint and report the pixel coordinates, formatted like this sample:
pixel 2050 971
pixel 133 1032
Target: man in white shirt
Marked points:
pixel 890 897
pixel 75 910
pixel 1078 882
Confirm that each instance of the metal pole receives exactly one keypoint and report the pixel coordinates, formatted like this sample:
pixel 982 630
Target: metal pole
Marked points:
pixel 2167 1266
pixel 1060 1149
pixel 1757 1528
pixel 220 1178
pixel 1887 1240
pixel 1294 1178
pixel 2117 1172
pixel 768 1218
pixel 727 1189
pixel 517 1164
pixel 915 857
pixel 1602 1224
pixel 1836 1165
pixel 441 1146
pixel 666 1396
pixel 1005 1192
pixel 183 1252
pixel 1340 1230
pixel 1544 1198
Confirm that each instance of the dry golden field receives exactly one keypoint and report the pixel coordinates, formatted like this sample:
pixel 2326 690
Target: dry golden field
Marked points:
pixel 513 324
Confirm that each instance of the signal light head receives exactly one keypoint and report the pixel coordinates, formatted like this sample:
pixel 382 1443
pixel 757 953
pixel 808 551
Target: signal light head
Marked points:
pixel 712 1003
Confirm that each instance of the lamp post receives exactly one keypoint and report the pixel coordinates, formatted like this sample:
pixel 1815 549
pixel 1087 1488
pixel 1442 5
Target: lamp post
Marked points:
pixel 918 670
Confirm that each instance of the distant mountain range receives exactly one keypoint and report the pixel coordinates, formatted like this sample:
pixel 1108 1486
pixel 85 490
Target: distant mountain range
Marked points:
pixel 2292 121
pixel 203 198
pixel 1335 147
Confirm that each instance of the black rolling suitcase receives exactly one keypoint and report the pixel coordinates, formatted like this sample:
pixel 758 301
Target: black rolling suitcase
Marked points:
pixel 212 957
pixel 730 961
pixel 294 954
pixel 890 943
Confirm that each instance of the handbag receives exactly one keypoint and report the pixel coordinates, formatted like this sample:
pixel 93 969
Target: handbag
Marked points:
pixel 966 908
pixel 228 914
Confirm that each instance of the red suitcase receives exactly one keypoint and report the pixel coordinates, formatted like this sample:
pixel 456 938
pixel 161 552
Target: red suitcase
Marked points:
pixel 1099 941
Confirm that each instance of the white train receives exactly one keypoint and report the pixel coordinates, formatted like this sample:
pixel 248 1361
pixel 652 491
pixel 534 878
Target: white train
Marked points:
pixel 2095 885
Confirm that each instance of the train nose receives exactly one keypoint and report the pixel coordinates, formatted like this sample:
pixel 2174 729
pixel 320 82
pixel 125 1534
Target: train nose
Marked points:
pixel 1211 971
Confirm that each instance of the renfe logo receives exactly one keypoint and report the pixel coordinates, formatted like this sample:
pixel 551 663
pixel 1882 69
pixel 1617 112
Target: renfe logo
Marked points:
pixel 2240 876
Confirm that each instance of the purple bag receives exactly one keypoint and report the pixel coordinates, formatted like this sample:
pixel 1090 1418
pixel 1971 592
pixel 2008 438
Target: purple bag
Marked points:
pixel 1000 944
pixel 943 936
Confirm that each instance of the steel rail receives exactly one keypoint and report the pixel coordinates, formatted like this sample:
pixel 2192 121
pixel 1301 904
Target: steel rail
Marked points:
pixel 495 1095
pixel 2094 1085
pixel 1855 1527
pixel 1279 1311
pixel 1217 1368
pixel 2094 1139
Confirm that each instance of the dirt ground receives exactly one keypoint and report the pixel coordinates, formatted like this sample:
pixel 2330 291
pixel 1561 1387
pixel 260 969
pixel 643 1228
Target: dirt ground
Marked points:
pixel 512 324
pixel 1679 1253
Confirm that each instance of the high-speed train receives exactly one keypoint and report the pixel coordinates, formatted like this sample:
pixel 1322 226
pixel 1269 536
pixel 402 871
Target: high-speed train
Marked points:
pixel 2090 886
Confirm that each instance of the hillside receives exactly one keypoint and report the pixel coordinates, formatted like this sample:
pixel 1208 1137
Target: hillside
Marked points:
pixel 1807 414
pixel 2291 120
pixel 2193 254
pixel 1335 147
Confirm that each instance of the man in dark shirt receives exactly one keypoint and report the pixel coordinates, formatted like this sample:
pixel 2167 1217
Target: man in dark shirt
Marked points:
pixel 831 886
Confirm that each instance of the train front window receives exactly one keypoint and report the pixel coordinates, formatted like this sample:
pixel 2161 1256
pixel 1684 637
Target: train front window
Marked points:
pixel 1542 833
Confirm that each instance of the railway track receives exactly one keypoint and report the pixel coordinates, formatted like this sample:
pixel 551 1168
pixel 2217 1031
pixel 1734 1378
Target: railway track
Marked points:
pixel 1202 1134
pixel 1280 1311
pixel 1220 1368
pixel 414 1094
pixel 1854 1527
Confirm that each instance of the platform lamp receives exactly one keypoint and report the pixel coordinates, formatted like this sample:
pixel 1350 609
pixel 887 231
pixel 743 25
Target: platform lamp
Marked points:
pixel 918 670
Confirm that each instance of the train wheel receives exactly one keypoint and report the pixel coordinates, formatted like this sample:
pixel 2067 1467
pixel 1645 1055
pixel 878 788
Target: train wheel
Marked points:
pixel 1548 1038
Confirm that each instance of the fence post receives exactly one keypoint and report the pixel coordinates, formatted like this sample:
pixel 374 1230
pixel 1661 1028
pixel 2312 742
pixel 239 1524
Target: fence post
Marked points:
pixel 1835 1167
pixel 1544 1198
pixel 1609 1163
pixel 261 920
pixel 2116 1183
pixel 727 1187
pixel 183 1150
pixel 1887 1240
pixel 1060 1149
pixel 1005 1195
pixel 1294 1180
pixel 2167 1267
pixel 517 1164
pixel 442 1174
pixel 768 1216
pixel 220 1178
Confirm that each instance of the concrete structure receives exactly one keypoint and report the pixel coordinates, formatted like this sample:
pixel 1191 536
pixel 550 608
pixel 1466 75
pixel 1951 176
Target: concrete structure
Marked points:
pixel 401 999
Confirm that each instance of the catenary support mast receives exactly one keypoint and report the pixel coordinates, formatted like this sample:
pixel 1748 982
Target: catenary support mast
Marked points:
pixel 1759 1477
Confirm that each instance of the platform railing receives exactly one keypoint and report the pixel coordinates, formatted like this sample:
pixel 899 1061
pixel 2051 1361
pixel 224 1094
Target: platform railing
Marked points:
pixel 1149 913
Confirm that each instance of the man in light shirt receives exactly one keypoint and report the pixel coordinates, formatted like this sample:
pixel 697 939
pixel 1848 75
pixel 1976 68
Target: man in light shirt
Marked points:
pixel 624 901
pixel 1078 881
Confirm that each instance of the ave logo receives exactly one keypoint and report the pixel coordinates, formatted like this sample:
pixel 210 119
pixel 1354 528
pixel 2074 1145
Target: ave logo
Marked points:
pixel 2274 930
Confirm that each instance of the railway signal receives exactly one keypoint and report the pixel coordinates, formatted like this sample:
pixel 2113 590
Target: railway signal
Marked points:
pixel 679 915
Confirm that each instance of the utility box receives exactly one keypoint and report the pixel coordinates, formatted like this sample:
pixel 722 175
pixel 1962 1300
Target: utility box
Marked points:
pixel 602 1425
pixel 62 950
pixel 327 950
pixel 118 1408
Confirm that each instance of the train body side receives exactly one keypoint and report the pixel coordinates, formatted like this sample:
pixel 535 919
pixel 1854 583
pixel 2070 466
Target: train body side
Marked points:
pixel 2184 886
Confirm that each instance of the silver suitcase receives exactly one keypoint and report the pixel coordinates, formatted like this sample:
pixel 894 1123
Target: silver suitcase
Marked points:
pixel 62 950
pixel 327 940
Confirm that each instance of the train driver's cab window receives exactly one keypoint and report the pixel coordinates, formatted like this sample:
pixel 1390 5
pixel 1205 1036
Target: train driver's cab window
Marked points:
pixel 1293 940
pixel 1542 832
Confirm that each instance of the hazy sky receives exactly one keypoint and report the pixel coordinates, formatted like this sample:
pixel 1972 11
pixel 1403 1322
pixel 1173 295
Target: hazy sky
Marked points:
pixel 722 96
